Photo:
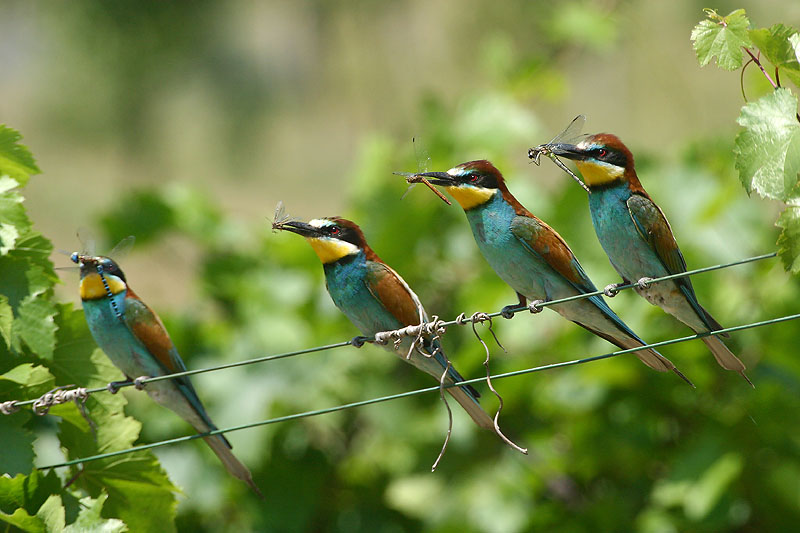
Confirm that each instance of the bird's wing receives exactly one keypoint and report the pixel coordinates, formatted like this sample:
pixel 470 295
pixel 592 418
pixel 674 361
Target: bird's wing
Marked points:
pixel 148 329
pixel 543 241
pixel 394 294
pixel 548 246
pixel 654 229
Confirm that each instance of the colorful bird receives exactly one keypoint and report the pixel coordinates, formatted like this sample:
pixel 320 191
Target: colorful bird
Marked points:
pixel 532 258
pixel 637 238
pixel 134 338
pixel 375 298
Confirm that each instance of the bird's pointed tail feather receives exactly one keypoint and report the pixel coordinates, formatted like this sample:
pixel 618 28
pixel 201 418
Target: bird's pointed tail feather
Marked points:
pixel 232 464
pixel 725 357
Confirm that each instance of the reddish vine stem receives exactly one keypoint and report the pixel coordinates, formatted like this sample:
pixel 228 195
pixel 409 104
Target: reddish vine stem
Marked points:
pixel 775 85
pixel 761 67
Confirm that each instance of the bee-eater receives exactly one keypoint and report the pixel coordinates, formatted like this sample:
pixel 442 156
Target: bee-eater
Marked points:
pixel 637 238
pixel 134 338
pixel 375 298
pixel 532 258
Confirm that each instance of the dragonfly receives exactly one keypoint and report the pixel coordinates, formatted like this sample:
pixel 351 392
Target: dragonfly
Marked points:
pixel 281 217
pixel 571 134
pixel 423 162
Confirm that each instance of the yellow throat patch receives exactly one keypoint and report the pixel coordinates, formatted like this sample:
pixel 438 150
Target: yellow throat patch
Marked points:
pixel 331 250
pixel 92 287
pixel 470 197
pixel 598 174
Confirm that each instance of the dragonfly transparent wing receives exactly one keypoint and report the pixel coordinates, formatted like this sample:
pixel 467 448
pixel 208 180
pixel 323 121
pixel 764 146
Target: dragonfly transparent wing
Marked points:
pixel 88 241
pixel 571 134
pixel 122 248
pixel 423 160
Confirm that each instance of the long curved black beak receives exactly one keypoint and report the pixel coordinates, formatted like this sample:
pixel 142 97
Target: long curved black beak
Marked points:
pixel 570 151
pixel 303 229
pixel 439 178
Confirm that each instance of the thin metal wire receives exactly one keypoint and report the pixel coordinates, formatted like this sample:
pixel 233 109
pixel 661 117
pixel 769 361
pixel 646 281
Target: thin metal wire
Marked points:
pixel 417 392
pixel 13 405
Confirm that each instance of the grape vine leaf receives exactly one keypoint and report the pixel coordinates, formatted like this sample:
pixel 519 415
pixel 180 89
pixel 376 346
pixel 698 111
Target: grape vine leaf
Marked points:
pixel 789 239
pixel 16 160
pixel 723 37
pixel 767 151
pixel 778 44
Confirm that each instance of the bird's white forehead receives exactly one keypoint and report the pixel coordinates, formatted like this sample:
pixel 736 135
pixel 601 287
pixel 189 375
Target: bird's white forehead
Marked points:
pixel 455 171
pixel 320 222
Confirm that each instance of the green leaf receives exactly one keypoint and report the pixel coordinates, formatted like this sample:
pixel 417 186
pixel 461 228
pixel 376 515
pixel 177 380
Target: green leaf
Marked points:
pixel 6 319
pixel 789 239
pixel 778 45
pixel 53 514
pixel 17 456
pixel 767 152
pixel 723 37
pixel 16 160
pixel 27 492
pixel 23 521
pixel 21 383
pixel 36 327
pixel 90 521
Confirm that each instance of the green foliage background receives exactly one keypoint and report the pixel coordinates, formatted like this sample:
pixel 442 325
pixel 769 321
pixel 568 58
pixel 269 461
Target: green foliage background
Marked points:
pixel 188 119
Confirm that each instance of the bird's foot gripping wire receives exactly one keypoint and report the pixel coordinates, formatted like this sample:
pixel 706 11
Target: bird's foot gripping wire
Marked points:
pixel 140 382
pixel 359 340
pixel 508 311
pixel 612 289
pixel 644 282
pixel 114 386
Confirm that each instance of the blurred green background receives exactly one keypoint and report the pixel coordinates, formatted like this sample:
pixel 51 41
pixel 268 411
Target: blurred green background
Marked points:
pixel 184 124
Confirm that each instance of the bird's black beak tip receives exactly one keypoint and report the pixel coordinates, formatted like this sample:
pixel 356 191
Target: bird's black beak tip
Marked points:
pixel 570 151
pixel 438 178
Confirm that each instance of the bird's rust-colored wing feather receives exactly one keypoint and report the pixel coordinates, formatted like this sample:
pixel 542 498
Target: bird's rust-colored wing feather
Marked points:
pixel 550 247
pixel 148 328
pixel 391 290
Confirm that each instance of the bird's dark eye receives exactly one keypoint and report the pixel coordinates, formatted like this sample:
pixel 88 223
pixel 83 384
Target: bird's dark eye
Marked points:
pixel 334 230
pixel 601 153
pixel 473 178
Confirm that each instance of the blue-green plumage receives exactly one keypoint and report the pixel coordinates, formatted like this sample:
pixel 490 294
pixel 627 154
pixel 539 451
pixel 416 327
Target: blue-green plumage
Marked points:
pixel 636 236
pixel 531 257
pixel 375 299
pixel 136 342
pixel 131 356
pixel 348 285
pixel 619 237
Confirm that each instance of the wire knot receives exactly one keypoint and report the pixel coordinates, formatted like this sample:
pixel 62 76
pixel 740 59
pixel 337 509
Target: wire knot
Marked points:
pixel 480 317
pixel 58 396
pixel 611 290
pixel 9 407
